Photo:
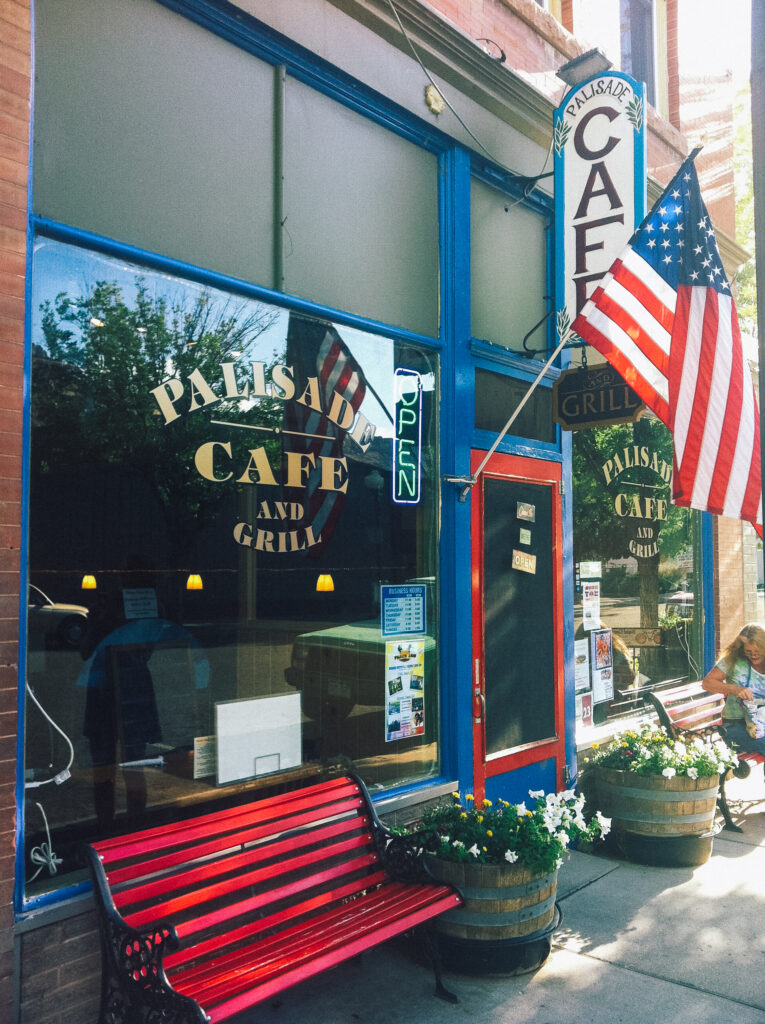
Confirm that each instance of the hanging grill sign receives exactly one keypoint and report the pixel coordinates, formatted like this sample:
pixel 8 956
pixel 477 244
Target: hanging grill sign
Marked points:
pixel 599 137
pixel 594 396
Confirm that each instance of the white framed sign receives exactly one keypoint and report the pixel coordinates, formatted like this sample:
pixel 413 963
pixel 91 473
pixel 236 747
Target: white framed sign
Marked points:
pixel 599 138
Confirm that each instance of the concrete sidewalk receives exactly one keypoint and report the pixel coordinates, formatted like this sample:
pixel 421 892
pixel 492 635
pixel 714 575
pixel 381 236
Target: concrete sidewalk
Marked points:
pixel 637 945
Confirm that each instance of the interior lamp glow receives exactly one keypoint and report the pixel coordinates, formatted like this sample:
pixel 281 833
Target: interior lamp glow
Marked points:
pixel 88 582
pixel 325 583
pixel 194 582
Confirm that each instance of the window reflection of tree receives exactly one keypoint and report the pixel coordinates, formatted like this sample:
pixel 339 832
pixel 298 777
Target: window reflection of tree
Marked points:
pixel 93 408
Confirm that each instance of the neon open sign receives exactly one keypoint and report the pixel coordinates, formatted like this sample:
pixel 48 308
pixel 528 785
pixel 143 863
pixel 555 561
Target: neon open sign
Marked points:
pixel 407 463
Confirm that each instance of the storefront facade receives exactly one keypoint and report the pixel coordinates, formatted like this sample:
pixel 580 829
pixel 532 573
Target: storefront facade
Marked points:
pixel 278 304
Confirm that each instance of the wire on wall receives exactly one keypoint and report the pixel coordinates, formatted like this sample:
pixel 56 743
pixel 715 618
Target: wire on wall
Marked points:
pixel 532 182
pixel 63 775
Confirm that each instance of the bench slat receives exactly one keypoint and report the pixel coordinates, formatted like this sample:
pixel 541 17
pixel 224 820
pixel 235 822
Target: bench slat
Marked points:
pixel 181 852
pixel 197 873
pixel 244 991
pixel 190 954
pixel 222 823
pixel 386 900
pixel 246 880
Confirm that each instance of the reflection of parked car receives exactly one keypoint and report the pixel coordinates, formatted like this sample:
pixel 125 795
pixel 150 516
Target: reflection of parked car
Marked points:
pixel 55 625
pixel 681 603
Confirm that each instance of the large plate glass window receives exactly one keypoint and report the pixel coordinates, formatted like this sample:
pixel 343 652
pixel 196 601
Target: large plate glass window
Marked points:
pixel 637 602
pixel 232 551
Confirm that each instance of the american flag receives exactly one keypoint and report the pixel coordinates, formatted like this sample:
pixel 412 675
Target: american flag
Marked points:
pixel 315 349
pixel 665 318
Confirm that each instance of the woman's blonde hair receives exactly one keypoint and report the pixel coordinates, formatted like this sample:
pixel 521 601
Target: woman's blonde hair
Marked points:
pixel 752 633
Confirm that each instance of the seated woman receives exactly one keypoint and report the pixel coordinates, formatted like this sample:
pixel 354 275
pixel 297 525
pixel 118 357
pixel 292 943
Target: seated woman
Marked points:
pixel 740 675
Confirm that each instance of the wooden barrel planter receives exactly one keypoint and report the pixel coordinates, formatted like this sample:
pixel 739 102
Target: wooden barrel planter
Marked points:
pixel 506 922
pixel 655 820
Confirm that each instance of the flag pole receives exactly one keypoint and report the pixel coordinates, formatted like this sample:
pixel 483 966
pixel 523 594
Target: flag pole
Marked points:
pixel 471 481
pixel 758 181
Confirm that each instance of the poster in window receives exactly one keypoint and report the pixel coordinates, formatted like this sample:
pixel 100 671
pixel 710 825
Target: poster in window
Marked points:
pixel 404 689
pixel 590 605
pixel 602 661
pixel 581 666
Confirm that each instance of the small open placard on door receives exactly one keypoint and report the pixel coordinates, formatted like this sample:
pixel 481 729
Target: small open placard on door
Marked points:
pixel 524 562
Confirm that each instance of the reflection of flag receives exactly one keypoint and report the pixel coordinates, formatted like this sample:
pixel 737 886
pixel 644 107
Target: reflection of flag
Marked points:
pixel 664 316
pixel 315 349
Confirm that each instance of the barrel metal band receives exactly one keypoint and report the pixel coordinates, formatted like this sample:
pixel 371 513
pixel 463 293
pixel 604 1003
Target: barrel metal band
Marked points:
pixel 460 916
pixel 511 892
pixel 662 819
pixel 659 795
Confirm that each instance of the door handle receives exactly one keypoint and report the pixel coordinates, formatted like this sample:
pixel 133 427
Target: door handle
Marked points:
pixel 477 693
pixel 482 701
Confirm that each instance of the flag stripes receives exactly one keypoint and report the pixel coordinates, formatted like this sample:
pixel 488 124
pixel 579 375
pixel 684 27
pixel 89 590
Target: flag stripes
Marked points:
pixel 665 318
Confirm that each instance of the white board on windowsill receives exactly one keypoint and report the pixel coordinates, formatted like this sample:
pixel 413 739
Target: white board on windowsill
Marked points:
pixel 257 736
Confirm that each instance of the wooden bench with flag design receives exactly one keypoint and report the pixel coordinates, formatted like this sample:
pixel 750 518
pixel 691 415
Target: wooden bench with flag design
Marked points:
pixel 692 709
pixel 204 918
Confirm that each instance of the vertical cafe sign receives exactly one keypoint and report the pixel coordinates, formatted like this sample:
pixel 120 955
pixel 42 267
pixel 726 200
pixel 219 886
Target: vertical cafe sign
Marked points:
pixel 600 184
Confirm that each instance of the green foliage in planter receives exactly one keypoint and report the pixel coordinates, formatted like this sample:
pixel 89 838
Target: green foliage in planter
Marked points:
pixel 504 833
pixel 652 751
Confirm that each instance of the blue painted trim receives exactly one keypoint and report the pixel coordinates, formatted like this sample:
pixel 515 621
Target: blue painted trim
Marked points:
pixel 421 786
pixel 457 411
pixel 52 899
pixel 19 870
pixel 641 153
pixel 567 529
pixel 255 37
pixel 513 444
pixel 486 352
pixel 710 639
pixel 166 264
pixel 488 173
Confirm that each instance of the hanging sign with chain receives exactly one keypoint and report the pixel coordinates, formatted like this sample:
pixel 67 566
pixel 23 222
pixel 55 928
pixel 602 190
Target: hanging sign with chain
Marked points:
pixel 594 396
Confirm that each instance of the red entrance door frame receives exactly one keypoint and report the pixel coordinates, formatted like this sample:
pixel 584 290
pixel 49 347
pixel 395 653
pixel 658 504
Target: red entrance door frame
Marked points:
pixel 532 471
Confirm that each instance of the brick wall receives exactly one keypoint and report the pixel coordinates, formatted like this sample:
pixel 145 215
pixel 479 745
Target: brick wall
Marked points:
pixel 61 972
pixel 15 50
pixel 730 612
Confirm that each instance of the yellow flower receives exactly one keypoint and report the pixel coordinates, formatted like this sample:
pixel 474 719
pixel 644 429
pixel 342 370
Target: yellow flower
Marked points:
pixel 456 796
pixel 480 818
pixel 463 815
pixel 529 814
pixel 469 796
pixel 484 849
pixel 489 833
pixel 595 746
pixel 487 803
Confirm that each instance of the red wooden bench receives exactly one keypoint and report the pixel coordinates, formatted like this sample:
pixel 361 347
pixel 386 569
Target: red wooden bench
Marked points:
pixel 204 918
pixel 691 709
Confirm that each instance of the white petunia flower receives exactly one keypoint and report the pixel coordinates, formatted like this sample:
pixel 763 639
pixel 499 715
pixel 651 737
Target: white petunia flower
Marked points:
pixel 474 850
pixel 511 856
pixel 693 773
pixel 535 794
pixel 669 773
pixel 605 823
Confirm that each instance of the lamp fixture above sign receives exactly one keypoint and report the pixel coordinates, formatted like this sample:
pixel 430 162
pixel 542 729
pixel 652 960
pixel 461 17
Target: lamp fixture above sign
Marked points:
pixel 586 65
